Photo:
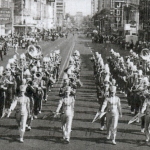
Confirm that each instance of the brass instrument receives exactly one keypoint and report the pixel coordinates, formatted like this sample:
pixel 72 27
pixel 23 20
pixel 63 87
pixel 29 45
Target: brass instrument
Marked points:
pixel 34 52
pixel 38 74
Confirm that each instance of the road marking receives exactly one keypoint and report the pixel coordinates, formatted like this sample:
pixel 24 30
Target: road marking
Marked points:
pixel 70 51
pixel 66 62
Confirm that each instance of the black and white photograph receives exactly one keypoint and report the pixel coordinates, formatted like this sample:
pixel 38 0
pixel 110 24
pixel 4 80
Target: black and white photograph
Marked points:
pixel 74 74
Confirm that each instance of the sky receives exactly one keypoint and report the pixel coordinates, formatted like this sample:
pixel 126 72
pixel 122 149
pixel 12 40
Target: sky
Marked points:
pixel 73 6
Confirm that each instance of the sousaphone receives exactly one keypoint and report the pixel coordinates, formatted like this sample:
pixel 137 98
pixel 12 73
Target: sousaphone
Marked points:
pixel 145 54
pixel 34 52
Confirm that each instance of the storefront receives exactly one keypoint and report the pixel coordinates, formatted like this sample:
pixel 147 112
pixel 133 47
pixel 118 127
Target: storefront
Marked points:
pixel 24 29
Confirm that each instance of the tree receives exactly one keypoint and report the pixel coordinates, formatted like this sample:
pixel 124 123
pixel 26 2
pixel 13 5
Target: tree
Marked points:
pixel 104 12
pixel 87 21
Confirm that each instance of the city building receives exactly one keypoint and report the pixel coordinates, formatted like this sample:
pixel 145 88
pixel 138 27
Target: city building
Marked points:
pixel 5 17
pixel 60 14
pixel 94 7
pixel 79 19
pixel 144 17
pixel 27 16
pixel 118 17
pixel 104 4
pixel 33 15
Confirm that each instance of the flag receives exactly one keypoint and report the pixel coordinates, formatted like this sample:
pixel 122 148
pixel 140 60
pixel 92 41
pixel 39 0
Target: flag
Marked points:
pixel 139 115
pixel 98 115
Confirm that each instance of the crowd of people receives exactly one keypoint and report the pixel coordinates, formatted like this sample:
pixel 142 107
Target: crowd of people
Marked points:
pixel 9 42
pixel 121 41
pixel 125 75
pixel 101 38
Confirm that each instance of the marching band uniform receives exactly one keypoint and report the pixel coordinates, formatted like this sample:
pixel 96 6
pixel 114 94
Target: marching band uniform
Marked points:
pixel 137 95
pixel 113 110
pixel 146 110
pixel 67 104
pixel 57 63
pixel 38 93
pixel 10 91
pixel 23 112
pixel 2 91
pixel 38 97
pixel 44 86
pixel 62 89
pixel 104 95
pixel 2 98
pixel 29 94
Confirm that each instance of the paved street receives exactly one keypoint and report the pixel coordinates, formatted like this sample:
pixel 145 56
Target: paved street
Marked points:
pixel 46 133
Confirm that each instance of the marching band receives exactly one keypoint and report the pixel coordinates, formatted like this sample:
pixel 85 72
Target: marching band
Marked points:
pixel 128 76
pixel 26 81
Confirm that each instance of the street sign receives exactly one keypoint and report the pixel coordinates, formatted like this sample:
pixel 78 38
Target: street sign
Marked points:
pixel 118 12
pixel 5 15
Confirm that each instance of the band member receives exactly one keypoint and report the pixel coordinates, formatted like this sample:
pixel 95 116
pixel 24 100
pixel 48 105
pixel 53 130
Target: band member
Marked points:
pixel 146 110
pixel 23 111
pixel 29 93
pixel 10 92
pixel 1 50
pixel 104 95
pixel 67 105
pixel 38 97
pixel 113 110
pixel 2 91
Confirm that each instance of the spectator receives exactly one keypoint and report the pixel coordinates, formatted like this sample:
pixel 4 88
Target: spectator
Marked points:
pixel 131 44
pixel 16 47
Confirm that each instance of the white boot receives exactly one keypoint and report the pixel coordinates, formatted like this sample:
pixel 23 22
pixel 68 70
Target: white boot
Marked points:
pixel 114 138
pixel 4 113
pixel 102 128
pixel 108 135
pixel 68 137
pixel 21 136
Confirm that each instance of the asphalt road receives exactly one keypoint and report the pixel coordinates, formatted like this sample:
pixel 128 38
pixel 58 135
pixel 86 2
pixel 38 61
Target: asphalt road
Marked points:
pixel 46 133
